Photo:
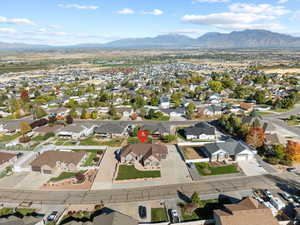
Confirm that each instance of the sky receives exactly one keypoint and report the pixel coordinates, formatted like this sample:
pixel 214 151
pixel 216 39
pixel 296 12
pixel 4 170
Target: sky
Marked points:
pixel 68 22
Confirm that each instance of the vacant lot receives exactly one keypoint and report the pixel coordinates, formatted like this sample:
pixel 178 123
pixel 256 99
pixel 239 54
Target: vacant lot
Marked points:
pixel 130 172
pixel 190 153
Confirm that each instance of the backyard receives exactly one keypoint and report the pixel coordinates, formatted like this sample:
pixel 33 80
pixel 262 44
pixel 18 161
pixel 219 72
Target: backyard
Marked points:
pixel 127 172
pixel 206 169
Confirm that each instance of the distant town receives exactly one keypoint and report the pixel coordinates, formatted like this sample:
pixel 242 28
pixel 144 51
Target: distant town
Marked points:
pixel 222 143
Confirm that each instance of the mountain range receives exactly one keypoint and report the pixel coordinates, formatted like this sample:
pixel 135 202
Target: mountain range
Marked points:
pixel 235 39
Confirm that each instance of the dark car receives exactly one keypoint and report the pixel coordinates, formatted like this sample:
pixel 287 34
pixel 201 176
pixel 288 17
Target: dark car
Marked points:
pixel 292 169
pixel 142 212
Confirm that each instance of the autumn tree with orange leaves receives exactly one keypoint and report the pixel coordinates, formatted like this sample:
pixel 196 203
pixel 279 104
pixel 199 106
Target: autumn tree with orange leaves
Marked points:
pixel 255 137
pixel 293 151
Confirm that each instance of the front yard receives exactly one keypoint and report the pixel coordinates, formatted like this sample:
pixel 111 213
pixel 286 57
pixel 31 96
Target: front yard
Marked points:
pixel 204 212
pixel 128 172
pixel 8 138
pixel 115 142
pixel 63 176
pixel 207 169
pixel 158 215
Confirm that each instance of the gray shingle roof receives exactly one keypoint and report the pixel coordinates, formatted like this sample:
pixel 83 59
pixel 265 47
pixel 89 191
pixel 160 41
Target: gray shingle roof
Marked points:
pixel 232 147
pixel 200 128
pixel 110 128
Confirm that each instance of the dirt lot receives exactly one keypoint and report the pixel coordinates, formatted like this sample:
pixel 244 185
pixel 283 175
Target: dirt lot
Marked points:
pixel 190 153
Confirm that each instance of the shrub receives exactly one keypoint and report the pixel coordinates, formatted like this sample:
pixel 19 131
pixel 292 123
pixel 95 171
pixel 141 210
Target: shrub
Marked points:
pixel 24 139
pixel 286 162
pixel 272 160
pixel 169 138
pixel 80 178
pixel 69 119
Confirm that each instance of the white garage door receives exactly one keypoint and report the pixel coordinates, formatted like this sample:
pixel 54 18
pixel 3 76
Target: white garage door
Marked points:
pixel 242 157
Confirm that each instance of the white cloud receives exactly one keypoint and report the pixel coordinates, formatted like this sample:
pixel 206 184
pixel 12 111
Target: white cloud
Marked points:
pixel 77 6
pixel 55 26
pixel 155 12
pixel 126 11
pixel 17 21
pixel 264 9
pixel 282 1
pixel 7 30
pixel 241 16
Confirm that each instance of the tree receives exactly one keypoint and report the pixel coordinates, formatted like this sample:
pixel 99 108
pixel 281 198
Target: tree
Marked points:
pixel 154 101
pixel 293 151
pixel 24 96
pixel 255 137
pixel 25 128
pixel 260 97
pixel 279 151
pixel 73 113
pixel 215 86
pixel 83 114
pixel 195 199
pixel 94 115
pixel 112 111
pixel 190 109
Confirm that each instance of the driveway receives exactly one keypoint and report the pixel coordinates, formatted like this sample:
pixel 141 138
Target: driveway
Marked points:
pixel 106 170
pixel 251 167
pixel 174 169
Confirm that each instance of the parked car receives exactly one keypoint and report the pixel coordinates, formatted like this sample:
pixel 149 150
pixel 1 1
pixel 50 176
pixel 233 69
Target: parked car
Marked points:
pixel 142 212
pixel 52 216
pixel 296 199
pixel 286 196
pixel 268 193
pixel 175 216
pixel 292 169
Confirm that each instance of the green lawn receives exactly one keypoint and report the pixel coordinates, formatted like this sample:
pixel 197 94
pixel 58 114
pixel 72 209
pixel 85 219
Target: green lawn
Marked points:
pixel 7 138
pixel 215 170
pixel 135 140
pixel 130 172
pixel 25 211
pixel 186 217
pixel 89 160
pixel 116 142
pixel 38 138
pixel 158 215
pixel 89 141
pixel 63 176
pixel 6 211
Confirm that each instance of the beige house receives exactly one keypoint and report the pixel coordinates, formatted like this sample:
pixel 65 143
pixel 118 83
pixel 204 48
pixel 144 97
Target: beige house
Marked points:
pixel 247 212
pixel 148 155
pixel 51 161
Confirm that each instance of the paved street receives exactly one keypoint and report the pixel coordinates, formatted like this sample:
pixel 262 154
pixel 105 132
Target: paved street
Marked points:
pixel 149 193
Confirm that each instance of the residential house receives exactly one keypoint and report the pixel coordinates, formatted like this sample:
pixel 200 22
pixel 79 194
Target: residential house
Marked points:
pixel 76 131
pixel 156 129
pixel 164 103
pixel 211 110
pixel 248 107
pixel 200 132
pixel 148 155
pixel 108 217
pixel 110 130
pixel 7 159
pixel 247 212
pixel 16 220
pixel 174 112
pixel 231 149
pixel 50 162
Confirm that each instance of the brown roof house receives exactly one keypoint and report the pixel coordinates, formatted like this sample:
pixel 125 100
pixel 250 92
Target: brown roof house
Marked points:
pixel 50 162
pixel 7 159
pixel 247 212
pixel 147 155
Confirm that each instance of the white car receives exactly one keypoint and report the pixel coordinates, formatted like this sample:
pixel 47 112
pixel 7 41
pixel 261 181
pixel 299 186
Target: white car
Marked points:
pixel 175 216
pixel 287 196
pixel 268 193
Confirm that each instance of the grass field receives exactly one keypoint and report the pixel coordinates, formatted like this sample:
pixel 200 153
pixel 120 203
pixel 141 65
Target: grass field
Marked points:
pixel 215 170
pixel 130 172
pixel 7 138
pixel 116 142
pixel 63 176
pixel 158 215
pixel 90 141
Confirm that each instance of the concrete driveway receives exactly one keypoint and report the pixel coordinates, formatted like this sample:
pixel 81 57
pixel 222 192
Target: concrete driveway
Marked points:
pixel 174 169
pixel 106 170
pixel 251 167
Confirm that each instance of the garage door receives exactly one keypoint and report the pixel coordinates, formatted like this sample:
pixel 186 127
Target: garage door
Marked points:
pixel 242 157
pixel 47 171
pixel 36 169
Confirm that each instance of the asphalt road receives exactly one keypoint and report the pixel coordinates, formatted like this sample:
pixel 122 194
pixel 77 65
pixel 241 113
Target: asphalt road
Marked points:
pixel 149 193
